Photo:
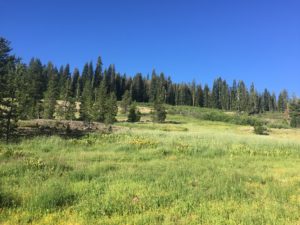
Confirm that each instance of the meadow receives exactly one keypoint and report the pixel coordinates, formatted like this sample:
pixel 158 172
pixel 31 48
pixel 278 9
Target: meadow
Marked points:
pixel 185 171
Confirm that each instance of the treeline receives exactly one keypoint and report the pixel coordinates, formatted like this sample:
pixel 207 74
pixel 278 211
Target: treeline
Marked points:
pixel 46 91
pixel 41 85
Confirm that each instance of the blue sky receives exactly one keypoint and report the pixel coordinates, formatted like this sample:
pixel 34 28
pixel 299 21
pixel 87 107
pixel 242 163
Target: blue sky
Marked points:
pixel 253 40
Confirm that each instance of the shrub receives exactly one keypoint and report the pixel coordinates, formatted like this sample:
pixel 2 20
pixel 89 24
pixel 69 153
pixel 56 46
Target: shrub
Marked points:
pixel 159 114
pixel 295 113
pixel 295 122
pixel 260 129
pixel 134 114
pixel 7 200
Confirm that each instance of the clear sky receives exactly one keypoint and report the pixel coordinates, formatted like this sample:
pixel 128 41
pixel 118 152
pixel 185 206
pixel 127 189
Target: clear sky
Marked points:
pixel 253 40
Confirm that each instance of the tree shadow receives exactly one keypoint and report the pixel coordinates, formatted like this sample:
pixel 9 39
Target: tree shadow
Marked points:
pixel 173 122
pixel 63 129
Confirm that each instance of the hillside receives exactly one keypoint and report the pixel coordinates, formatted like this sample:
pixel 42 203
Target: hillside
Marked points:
pixel 187 170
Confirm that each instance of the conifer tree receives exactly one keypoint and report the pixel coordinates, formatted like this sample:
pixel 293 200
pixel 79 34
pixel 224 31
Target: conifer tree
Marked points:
pixel 199 96
pixel 66 109
pixel 84 76
pixel 37 84
pixel 98 73
pixel 170 98
pixel 159 115
pixel 119 88
pixel 224 95
pixel 283 101
pixel 138 88
pixel 273 102
pixel 253 100
pixel 110 78
pixel 266 101
pixel 23 98
pixel 294 111
pixel 216 94
pixel 111 109
pixel 51 93
pixel 100 107
pixel 206 96
pixel 126 102
pixel 193 92
pixel 233 97
pixel 75 85
pixel 8 86
pixel 242 97
pixel 153 86
pixel 64 81
pixel 86 106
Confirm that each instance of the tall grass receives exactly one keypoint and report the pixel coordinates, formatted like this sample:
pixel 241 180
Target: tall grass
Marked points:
pixel 190 172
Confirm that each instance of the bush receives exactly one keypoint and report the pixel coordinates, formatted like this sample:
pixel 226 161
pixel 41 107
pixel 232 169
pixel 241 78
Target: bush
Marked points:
pixel 159 114
pixel 295 122
pixel 7 200
pixel 214 115
pixel 134 114
pixel 260 129
pixel 295 113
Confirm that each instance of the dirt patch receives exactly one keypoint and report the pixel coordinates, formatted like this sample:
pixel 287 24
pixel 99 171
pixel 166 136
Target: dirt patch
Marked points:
pixel 144 110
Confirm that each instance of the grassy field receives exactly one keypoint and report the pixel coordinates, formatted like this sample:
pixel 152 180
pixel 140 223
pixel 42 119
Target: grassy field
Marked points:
pixel 185 171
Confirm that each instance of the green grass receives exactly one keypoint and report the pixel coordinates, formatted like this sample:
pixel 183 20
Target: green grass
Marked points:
pixel 184 171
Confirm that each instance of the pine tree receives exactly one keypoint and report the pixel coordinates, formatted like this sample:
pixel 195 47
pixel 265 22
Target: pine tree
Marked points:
pixel 138 88
pixel 193 92
pixel 111 109
pixel 119 88
pixel 110 78
pixel 64 80
pixel 86 106
pixel 153 86
pixel 242 97
pixel 100 107
pixel 224 95
pixel 66 109
pixel 159 115
pixel 75 85
pixel 23 98
pixel 273 103
pixel 170 98
pixel 266 101
pixel 184 95
pixel 84 76
pixel 36 86
pixel 253 100
pixel 233 97
pixel 206 96
pixel 199 96
pixel 51 93
pixel 216 94
pixel 8 87
pixel 98 73
pixel 294 111
pixel 91 74
pixel 283 101
pixel 126 102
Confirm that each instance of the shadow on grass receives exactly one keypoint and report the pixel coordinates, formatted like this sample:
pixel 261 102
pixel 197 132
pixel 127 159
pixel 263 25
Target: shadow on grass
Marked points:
pixel 64 129
pixel 173 122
